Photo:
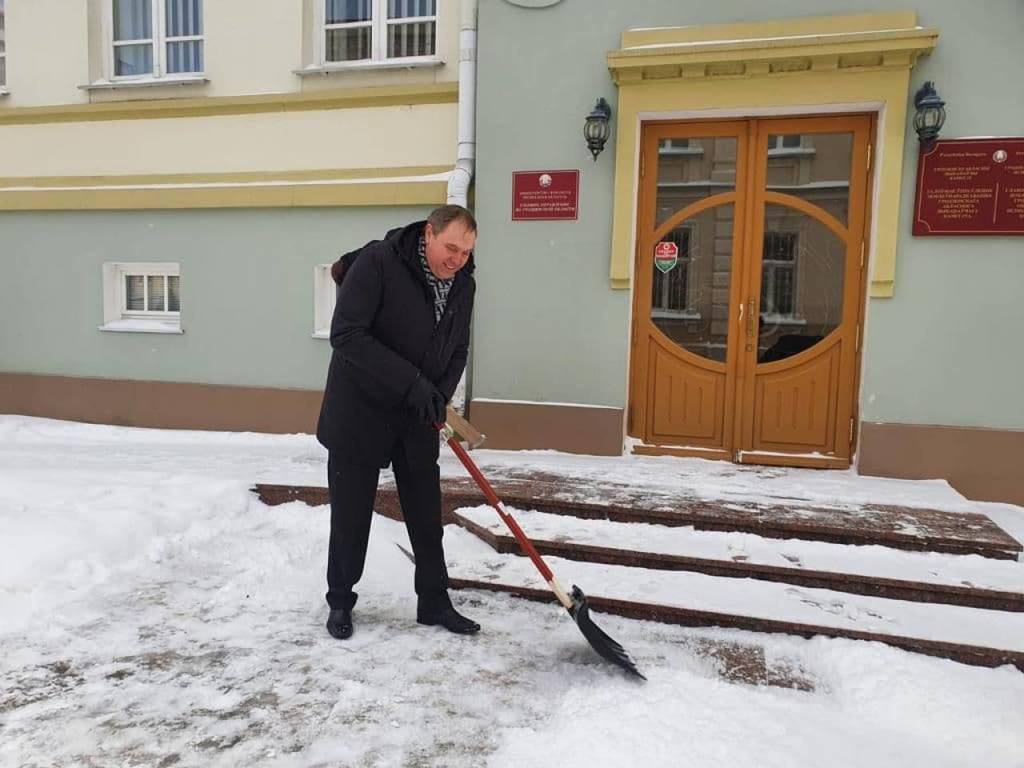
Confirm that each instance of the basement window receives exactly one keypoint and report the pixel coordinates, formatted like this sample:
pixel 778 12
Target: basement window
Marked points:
pixel 142 298
pixel 324 295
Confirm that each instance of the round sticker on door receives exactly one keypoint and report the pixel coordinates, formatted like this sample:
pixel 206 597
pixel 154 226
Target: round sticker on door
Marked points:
pixel 666 256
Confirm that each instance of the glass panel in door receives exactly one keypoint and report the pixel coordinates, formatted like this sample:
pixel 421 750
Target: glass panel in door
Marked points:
pixel 690 289
pixel 803 267
pixel 814 167
pixel 692 169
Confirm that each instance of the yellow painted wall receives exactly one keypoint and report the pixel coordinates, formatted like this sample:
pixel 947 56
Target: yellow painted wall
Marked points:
pixel 254 114
pixel 251 46
pixel 307 140
pixel 49 73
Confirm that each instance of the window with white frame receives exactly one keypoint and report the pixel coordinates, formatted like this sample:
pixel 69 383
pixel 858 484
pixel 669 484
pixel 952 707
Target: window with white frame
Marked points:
pixel 788 144
pixel 377 30
pixel 778 274
pixel 668 146
pixel 325 292
pixel 144 297
pixel 3 49
pixel 156 38
pixel 681 147
pixel 671 290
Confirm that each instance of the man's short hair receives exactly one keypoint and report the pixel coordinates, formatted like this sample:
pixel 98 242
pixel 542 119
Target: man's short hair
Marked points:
pixel 446 214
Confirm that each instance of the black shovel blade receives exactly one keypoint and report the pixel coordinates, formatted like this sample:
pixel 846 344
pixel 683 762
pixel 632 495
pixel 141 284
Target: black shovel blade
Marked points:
pixel 601 642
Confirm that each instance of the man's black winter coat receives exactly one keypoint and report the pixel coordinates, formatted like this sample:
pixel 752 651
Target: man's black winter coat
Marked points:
pixel 383 336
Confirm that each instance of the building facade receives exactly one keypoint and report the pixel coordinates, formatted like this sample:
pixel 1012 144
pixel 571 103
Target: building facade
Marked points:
pixel 741 281
pixel 738 279
pixel 175 175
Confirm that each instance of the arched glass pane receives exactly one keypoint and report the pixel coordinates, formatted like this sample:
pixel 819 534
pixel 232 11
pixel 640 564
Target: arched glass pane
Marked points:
pixel 690 292
pixel 802 281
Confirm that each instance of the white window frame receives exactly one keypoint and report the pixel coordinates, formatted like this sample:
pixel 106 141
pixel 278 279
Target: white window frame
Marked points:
pixel 3 53
pixel 679 146
pixel 685 262
pixel 379 23
pixel 774 267
pixel 776 149
pixel 117 317
pixel 325 293
pixel 159 43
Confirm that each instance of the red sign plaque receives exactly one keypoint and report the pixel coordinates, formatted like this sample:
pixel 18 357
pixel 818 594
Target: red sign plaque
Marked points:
pixel 971 187
pixel 545 195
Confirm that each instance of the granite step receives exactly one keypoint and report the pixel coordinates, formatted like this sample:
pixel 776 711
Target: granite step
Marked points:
pixel 874 571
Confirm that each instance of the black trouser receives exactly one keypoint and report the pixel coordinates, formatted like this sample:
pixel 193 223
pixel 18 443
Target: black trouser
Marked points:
pixel 353 488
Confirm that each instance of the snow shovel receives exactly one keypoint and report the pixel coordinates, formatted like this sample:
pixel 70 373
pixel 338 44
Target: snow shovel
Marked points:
pixel 576 604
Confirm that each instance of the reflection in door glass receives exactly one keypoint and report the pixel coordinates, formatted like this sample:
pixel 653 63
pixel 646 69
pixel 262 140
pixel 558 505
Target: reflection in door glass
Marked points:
pixel 802 280
pixel 690 286
pixel 813 166
pixel 691 169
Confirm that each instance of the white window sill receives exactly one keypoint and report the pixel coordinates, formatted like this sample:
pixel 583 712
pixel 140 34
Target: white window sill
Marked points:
pixel 783 320
pixel 322 335
pixel 791 151
pixel 4 92
pixel 674 314
pixel 143 326
pixel 680 151
pixel 360 66
pixel 144 82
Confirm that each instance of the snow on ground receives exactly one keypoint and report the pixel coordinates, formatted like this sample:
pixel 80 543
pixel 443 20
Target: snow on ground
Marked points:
pixel 154 613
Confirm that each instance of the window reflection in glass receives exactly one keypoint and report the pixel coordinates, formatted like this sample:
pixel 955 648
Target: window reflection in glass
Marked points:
pixel 690 296
pixel 814 167
pixel 690 169
pixel 802 283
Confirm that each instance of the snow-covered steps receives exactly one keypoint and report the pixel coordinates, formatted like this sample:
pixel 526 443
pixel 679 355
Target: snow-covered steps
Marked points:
pixel 865 524
pixel 969 635
pixel 875 571
pixel 897 527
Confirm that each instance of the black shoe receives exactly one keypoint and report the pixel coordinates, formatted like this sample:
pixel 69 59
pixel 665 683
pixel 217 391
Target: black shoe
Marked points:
pixel 450 619
pixel 339 623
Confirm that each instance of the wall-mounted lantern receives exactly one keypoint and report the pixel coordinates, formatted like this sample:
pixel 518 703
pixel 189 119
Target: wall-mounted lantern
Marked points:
pixel 930 116
pixel 597 128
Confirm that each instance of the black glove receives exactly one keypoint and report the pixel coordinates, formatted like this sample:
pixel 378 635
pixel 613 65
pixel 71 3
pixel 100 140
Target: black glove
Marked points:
pixel 426 401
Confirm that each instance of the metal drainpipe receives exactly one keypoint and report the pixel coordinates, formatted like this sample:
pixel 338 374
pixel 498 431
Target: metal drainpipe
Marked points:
pixel 462 174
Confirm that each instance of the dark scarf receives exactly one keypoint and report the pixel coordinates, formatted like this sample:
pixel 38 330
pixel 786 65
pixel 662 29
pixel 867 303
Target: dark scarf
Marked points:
pixel 440 287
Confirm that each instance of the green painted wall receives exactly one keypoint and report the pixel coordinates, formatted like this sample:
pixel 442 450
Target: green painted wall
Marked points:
pixel 247 291
pixel 948 349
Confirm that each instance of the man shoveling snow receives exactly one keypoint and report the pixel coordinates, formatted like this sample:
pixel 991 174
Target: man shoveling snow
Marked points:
pixel 400 338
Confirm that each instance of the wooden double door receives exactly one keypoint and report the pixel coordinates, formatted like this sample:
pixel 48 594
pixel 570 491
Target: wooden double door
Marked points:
pixel 749 289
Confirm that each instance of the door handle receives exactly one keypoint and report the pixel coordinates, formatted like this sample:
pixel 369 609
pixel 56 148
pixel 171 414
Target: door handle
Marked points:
pixel 750 317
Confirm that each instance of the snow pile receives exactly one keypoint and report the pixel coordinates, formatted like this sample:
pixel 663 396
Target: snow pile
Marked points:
pixel 153 613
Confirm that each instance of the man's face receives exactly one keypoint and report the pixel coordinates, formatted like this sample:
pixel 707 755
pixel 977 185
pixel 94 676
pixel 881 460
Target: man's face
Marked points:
pixel 449 250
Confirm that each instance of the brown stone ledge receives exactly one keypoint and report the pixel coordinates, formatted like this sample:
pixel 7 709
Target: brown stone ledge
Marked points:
pixel 982 464
pixel 160 404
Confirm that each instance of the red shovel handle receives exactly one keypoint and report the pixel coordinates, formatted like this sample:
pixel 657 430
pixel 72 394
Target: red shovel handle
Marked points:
pixel 495 502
